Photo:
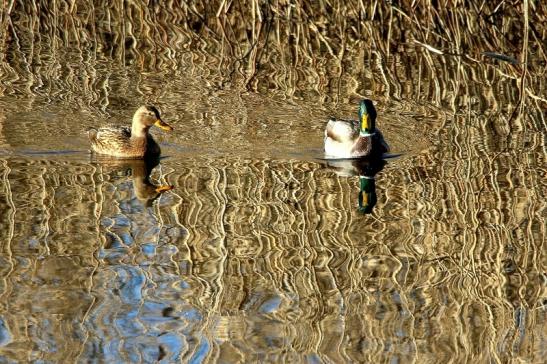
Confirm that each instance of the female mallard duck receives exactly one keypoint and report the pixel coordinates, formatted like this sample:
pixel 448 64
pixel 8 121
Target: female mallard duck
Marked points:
pixel 140 170
pixel 134 142
pixel 355 139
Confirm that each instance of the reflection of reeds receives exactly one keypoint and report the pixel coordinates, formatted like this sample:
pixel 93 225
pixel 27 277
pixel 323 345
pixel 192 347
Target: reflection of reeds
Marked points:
pixel 443 247
pixel 449 260
pixel 8 230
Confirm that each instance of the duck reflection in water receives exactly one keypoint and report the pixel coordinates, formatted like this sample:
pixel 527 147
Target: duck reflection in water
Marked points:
pixel 366 169
pixel 140 170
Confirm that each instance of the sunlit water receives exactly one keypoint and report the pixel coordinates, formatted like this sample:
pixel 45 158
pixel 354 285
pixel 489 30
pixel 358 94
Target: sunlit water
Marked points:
pixel 259 253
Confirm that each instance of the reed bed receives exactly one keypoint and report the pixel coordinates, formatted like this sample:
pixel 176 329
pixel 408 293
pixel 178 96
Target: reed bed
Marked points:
pixel 294 47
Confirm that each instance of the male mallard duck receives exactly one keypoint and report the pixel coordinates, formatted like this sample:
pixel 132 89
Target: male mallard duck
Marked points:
pixel 134 142
pixel 366 169
pixel 354 139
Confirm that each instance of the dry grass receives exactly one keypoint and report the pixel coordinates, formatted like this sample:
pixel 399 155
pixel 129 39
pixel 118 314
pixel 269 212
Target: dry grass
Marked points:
pixel 247 42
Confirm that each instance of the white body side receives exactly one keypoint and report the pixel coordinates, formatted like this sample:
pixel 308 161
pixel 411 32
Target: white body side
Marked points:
pixel 346 133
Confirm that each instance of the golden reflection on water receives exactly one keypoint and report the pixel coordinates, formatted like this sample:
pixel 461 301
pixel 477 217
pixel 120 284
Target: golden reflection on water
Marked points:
pixel 267 259
pixel 259 253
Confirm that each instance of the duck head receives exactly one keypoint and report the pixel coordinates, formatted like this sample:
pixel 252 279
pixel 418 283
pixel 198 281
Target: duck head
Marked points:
pixel 367 194
pixel 367 117
pixel 148 116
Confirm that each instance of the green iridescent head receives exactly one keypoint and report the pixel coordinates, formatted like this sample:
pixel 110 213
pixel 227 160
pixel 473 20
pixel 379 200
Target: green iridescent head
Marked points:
pixel 367 116
pixel 367 195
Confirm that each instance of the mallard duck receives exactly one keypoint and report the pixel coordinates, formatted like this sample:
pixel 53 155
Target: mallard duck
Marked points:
pixel 355 138
pixel 145 190
pixel 140 171
pixel 134 142
pixel 367 194
pixel 366 169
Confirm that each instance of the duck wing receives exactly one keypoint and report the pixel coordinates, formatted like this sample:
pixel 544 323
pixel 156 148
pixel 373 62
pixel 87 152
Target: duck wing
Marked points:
pixel 109 137
pixel 342 130
pixel 382 144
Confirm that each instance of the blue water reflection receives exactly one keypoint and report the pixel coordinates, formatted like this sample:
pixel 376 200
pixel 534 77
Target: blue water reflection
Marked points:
pixel 135 318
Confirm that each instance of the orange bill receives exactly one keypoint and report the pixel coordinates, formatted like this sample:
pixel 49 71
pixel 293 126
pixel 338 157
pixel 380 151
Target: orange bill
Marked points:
pixel 163 125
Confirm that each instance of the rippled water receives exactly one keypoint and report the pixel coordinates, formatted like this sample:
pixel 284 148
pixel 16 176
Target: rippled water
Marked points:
pixel 259 253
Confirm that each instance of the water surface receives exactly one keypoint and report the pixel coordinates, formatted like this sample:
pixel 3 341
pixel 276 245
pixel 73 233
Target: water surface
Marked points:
pixel 259 253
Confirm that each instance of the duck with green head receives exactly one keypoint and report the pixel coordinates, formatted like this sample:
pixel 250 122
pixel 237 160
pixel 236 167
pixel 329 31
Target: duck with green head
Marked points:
pixel 367 194
pixel 130 142
pixel 366 169
pixel 355 138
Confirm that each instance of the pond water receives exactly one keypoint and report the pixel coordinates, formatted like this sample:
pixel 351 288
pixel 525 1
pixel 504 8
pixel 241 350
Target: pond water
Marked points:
pixel 259 253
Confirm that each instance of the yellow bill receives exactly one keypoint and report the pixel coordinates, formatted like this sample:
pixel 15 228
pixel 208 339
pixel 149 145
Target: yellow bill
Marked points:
pixel 364 122
pixel 163 125
pixel 161 189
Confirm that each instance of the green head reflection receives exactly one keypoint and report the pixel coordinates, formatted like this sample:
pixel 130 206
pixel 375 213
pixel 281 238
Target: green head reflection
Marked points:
pixel 367 194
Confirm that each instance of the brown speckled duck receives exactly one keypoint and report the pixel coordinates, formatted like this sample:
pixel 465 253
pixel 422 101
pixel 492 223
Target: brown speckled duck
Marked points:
pixel 134 142
pixel 355 138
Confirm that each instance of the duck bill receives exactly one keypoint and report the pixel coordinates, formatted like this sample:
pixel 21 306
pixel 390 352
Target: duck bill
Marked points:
pixel 163 125
pixel 365 122
pixel 164 188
